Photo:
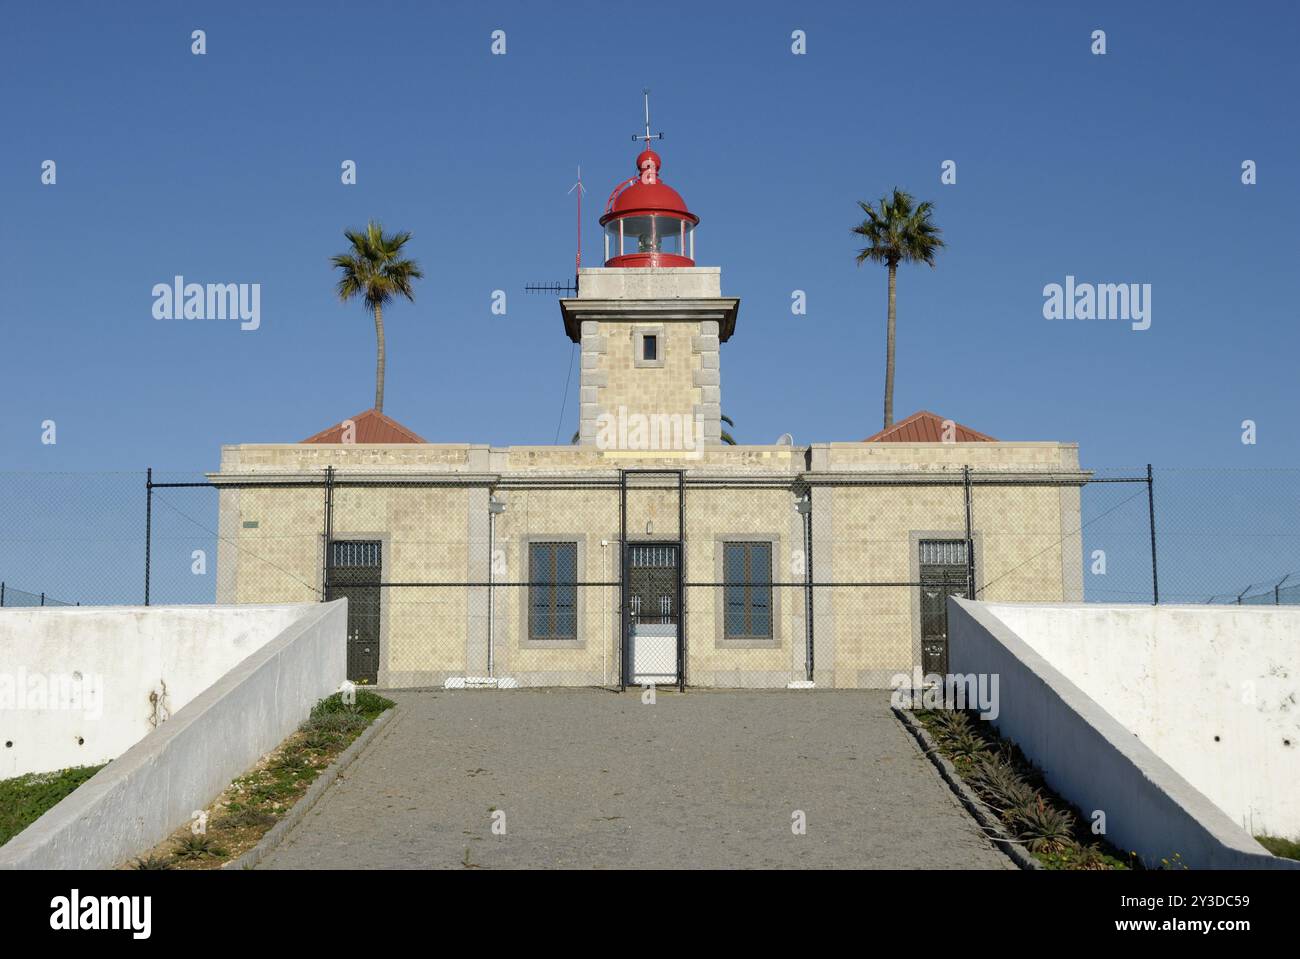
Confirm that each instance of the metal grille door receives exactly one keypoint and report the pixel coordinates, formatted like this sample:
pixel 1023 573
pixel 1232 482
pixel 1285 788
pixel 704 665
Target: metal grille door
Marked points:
pixel 943 574
pixel 653 612
pixel 355 572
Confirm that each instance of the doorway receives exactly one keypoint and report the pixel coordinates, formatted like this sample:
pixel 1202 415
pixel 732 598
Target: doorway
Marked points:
pixel 355 572
pixel 944 573
pixel 653 614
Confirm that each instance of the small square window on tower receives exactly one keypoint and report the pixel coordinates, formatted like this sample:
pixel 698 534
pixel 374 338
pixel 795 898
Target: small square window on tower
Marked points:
pixel 648 346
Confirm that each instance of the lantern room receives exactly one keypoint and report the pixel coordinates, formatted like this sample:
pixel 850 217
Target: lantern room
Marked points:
pixel 646 222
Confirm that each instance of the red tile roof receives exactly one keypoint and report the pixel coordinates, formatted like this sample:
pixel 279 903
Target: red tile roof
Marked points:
pixel 369 427
pixel 926 427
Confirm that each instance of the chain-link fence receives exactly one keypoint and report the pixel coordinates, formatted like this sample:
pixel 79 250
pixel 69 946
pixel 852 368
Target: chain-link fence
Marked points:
pixel 1229 536
pixel 77 536
pixel 11 596
pixel 667 577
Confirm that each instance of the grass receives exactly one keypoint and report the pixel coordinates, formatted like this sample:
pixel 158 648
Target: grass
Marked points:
pixel 256 801
pixel 24 799
pixel 1012 789
pixel 1286 848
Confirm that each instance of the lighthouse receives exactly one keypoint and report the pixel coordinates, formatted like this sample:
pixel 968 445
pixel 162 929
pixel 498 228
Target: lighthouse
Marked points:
pixel 650 322
pixel 646 221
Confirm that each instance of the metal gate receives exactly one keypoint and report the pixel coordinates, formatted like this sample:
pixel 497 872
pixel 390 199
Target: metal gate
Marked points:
pixel 355 571
pixel 944 572
pixel 654 620
pixel 652 599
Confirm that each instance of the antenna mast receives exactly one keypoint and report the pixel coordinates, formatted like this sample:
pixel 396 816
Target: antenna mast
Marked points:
pixel 645 92
pixel 561 288
pixel 577 259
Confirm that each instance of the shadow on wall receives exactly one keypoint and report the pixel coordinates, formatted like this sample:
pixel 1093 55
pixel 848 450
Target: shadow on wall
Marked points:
pixel 1153 787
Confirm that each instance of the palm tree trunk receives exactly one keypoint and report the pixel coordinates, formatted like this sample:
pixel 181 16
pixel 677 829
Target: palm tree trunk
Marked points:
pixel 889 351
pixel 379 365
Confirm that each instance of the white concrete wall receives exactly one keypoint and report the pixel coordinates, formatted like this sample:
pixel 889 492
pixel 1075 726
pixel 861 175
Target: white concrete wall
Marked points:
pixel 1086 752
pixel 118 657
pixel 1213 690
pixel 141 797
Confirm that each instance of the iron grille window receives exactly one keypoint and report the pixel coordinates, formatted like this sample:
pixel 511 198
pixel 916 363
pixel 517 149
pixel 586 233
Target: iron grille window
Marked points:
pixel 943 552
pixel 747 590
pixel 654 557
pixel 552 590
pixel 355 553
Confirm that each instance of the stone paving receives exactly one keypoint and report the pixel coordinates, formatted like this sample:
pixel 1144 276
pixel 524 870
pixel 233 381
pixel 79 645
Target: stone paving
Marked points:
pixel 583 778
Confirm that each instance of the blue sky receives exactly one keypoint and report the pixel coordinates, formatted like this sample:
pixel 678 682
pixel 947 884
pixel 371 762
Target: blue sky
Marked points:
pixel 226 168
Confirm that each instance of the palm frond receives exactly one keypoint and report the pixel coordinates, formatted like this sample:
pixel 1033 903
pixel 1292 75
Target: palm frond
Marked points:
pixel 897 229
pixel 372 269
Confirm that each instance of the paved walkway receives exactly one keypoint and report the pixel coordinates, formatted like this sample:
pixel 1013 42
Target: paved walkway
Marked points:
pixel 595 779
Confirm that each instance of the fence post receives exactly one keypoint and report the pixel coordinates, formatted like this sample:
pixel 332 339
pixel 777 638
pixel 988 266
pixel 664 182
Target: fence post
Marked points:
pixel 970 541
pixel 42 599
pixel 148 528
pixel 622 581
pixel 2 594
pixel 681 575
pixel 1151 513
pixel 329 534
pixel 805 506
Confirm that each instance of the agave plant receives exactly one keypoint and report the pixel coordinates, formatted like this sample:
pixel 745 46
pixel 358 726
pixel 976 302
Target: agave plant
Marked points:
pixel 319 740
pixel 152 862
pixel 1091 857
pixel 1045 828
pixel 1000 785
pixel 198 847
pixel 967 745
pixel 951 722
pixel 248 819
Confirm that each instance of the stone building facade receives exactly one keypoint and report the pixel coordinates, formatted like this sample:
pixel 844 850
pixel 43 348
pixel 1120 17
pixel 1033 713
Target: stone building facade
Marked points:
pixel 457 529
pixel 648 551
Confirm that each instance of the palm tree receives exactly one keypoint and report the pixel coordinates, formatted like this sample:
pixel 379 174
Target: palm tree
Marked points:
pixel 726 437
pixel 374 270
pixel 899 231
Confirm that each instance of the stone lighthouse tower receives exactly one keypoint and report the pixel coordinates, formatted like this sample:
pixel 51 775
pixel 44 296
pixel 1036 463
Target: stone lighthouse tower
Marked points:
pixel 650 322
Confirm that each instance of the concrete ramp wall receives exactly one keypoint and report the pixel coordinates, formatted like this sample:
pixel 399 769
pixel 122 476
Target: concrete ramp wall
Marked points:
pixel 82 685
pixel 1085 752
pixel 154 787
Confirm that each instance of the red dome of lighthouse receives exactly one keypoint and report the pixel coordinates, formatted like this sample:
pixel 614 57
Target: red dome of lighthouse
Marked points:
pixel 647 223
